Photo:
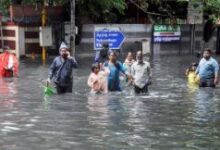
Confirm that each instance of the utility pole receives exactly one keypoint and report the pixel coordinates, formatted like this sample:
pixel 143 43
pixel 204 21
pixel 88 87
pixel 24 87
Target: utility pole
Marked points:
pixel 44 19
pixel 72 27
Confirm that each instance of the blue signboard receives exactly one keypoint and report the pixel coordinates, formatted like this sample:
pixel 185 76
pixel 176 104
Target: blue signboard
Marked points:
pixel 113 37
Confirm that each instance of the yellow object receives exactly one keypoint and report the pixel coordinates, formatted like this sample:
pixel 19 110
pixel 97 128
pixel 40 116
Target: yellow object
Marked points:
pixel 43 53
pixel 33 55
pixel 193 78
pixel 44 22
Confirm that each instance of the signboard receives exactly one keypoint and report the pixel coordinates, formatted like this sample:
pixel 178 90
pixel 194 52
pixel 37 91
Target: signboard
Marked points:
pixel 111 35
pixel 46 36
pixel 195 12
pixel 166 33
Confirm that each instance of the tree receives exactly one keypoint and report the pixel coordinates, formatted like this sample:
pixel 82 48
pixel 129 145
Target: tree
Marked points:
pixel 101 10
pixel 212 7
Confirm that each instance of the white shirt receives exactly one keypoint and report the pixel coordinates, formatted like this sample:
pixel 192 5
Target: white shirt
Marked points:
pixel 141 73
pixel 10 62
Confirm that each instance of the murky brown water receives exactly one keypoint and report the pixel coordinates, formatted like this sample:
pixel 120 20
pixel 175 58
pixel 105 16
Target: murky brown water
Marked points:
pixel 173 116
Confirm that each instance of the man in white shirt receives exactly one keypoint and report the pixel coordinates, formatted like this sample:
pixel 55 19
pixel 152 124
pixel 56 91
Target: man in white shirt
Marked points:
pixel 141 73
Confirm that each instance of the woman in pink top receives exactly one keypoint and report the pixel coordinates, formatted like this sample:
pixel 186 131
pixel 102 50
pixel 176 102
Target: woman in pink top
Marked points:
pixel 97 80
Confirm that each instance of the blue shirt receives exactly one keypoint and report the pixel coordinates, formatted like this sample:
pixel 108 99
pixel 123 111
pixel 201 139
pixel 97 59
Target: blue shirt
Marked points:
pixel 207 68
pixel 113 77
pixel 61 72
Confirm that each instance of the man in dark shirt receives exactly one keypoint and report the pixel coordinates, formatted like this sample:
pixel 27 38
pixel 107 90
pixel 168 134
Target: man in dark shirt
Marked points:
pixel 60 71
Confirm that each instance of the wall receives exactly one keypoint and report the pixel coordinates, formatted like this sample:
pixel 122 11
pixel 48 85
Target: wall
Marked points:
pixel 135 33
pixel 12 37
pixel 184 45
pixel 31 35
pixel 21 40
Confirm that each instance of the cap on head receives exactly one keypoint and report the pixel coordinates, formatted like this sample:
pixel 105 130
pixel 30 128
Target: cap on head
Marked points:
pixel 63 46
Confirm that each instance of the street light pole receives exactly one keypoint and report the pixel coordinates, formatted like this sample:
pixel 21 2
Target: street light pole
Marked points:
pixel 43 18
pixel 73 32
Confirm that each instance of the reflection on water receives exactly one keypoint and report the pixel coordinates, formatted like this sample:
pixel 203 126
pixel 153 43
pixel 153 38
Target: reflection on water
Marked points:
pixel 8 86
pixel 174 115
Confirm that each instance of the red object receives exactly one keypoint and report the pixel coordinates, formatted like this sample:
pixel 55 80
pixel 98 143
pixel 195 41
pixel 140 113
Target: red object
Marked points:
pixel 4 61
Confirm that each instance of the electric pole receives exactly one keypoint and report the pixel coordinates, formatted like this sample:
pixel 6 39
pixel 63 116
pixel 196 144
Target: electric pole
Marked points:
pixel 73 28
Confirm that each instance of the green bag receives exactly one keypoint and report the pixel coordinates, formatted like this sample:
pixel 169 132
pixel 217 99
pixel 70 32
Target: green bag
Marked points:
pixel 48 90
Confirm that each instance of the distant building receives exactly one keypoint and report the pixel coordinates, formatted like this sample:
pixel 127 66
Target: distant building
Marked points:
pixel 21 29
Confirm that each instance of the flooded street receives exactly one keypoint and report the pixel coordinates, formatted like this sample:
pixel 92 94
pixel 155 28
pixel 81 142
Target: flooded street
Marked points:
pixel 174 116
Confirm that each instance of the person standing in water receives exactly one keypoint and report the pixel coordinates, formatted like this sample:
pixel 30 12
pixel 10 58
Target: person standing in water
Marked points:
pixel 102 55
pixel 207 70
pixel 97 80
pixel 60 71
pixel 8 64
pixel 141 73
pixel 129 61
pixel 193 78
pixel 115 67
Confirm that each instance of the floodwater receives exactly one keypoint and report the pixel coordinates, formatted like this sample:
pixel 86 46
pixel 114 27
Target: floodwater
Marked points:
pixel 173 116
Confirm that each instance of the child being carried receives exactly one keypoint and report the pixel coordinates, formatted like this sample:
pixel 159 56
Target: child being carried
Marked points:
pixel 193 78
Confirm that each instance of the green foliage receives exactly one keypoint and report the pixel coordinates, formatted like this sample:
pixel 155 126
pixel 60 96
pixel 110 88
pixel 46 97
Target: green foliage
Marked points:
pixel 144 4
pixel 102 10
pixel 108 10
pixel 212 7
pixel 4 6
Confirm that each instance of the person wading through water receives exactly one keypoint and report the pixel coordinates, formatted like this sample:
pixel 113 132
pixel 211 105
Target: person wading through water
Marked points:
pixel 141 74
pixel 8 64
pixel 60 71
pixel 102 55
pixel 129 61
pixel 115 67
pixel 208 70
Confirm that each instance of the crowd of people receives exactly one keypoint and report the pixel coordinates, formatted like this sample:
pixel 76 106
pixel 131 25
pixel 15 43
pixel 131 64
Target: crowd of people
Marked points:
pixel 107 70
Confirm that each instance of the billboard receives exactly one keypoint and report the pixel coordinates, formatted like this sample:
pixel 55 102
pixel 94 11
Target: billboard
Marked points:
pixel 166 33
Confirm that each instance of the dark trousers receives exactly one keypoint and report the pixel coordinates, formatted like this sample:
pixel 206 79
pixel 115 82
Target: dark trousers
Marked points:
pixel 8 73
pixel 138 90
pixel 63 89
pixel 207 82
